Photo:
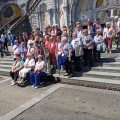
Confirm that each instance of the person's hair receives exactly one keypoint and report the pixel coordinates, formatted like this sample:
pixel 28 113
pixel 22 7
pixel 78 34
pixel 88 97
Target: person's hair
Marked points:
pixel 98 30
pixel 58 37
pixel 116 17
pixel 85 30
pixel 31 36
pixel 40 56
pixel 77 23
pixel 29 54
pixel 64 38
pixel 22 43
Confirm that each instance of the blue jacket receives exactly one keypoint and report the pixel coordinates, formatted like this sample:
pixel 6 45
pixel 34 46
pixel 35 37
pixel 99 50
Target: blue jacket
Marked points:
pixel 11 38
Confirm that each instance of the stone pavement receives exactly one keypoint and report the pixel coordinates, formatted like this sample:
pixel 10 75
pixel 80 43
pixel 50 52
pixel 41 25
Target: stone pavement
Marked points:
pixel 57 102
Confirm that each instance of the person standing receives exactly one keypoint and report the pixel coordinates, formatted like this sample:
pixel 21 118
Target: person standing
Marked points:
pixel 108 35
pixel 77 51
pixel 78 30
pixel 1 46
pixel 87 43
pixel 98 39
pixel 117 30
pixel 16 49
pixel 4 38
pixel 91 28
pixel 11 38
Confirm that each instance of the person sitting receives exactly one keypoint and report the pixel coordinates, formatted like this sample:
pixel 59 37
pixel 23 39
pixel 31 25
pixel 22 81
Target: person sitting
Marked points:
pixel 29 63
pixel 17 66
pixel 31 48
pixel 38 72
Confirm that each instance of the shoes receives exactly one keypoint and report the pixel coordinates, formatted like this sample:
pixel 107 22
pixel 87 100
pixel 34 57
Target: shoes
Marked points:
pixel 13 83
pixel 33 86
pixel 36 87
pixel 71 75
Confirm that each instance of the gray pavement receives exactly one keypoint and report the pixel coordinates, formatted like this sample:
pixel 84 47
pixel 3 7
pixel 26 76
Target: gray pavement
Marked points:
pixel 12 97
pixel 75 104
pixel 57 102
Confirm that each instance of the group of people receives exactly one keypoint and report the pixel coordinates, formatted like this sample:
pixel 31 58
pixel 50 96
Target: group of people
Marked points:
pixel 44 51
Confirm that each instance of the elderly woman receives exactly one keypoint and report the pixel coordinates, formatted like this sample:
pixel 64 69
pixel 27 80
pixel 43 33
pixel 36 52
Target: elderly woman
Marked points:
pixel 87 42
pixel 38 72
pixel 98 39
pixel 16 49
pixel 31 48
pixel 29 63
pixel 17 66
pixel 67 51
pixel 108 35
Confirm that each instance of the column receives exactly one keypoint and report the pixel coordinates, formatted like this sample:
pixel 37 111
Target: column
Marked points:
pixel 65 15
pixel 54 16
pixel 49 17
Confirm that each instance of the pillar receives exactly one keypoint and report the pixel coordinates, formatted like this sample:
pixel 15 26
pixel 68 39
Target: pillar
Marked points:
pixel 65 15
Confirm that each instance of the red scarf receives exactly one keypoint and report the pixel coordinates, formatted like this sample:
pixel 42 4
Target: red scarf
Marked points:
pixel 23 52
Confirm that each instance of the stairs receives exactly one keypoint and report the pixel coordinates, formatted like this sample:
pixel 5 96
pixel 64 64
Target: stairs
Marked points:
pixel 106 73
pixel 24 19
pixel 16 25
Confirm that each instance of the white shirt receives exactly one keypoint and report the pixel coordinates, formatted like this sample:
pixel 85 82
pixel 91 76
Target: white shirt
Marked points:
pixel 107 32
pixel 16 50
pixel 73 43
pixel 118 25
pixel 3 37
pixel 98 39
pixel 30 50
pixel 30 62
pixel 79 34
pixel 39 65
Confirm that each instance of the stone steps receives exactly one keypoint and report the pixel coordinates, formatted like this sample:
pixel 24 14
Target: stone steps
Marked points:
pixel 102 75
pixel 4 72
pixel 5 67
pixel 89 81
pixel 6 63
pixel 112 64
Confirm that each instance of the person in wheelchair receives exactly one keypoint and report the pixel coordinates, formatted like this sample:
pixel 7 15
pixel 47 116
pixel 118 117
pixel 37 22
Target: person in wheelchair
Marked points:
pixel 28 65
pixel 17 66
pixel 39 71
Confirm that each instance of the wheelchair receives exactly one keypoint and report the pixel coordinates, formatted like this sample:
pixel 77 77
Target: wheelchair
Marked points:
pixel 26 80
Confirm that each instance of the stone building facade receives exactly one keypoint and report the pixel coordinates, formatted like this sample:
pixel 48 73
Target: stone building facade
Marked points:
pixel 65 12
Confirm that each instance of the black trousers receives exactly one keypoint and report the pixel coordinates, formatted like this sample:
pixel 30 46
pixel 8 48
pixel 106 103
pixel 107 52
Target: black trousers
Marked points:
pixel 5 46
pixel 96 53
pixel 14 75
pixel 68 67
pixel 87 56
pixel 77 63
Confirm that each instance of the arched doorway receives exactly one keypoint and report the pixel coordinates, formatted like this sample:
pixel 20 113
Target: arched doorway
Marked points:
pixel 79 12
pixel 10 12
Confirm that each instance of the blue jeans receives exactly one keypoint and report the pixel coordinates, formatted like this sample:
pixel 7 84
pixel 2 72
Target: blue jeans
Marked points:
pixel 35 78
pixel 59 66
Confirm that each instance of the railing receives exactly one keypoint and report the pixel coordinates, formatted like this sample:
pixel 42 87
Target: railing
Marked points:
pixel 9 24
pixel 32 8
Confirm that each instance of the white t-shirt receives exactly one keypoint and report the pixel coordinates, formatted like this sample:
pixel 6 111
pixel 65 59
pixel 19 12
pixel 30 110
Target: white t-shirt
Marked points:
pixel 79 34
pixel 39 65
pixel 98 39
pixel 30 62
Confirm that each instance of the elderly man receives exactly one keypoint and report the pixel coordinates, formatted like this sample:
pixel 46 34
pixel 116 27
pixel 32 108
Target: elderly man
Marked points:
pixel 77 51
pixel 38 72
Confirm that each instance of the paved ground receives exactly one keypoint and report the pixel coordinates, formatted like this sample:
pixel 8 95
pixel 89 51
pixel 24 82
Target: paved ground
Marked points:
pixel 57 102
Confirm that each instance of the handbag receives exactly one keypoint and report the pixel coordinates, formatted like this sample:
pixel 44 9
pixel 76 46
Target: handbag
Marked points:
pixel 62 59
pixel 101 47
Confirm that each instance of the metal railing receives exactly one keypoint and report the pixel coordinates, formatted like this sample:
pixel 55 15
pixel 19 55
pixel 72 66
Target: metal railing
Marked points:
pixel 9 24
pixel 32 8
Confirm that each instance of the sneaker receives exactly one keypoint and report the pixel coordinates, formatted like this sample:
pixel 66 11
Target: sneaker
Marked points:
pixel 14 83
pixel 36 87
pixel 33 86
